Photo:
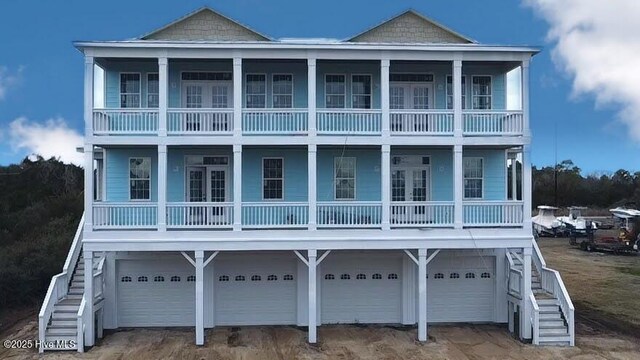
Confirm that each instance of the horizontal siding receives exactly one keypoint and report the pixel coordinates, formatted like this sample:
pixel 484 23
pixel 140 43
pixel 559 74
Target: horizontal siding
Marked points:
pixel 117 172
pixel 348 68
pixel 495 172
pixel 112 80
pixel 295 172
pixel 368 183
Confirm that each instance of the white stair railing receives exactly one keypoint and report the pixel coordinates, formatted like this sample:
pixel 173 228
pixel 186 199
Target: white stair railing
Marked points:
pixel 551 282
pixel 59 285
pixel 535 319
pixel 514 279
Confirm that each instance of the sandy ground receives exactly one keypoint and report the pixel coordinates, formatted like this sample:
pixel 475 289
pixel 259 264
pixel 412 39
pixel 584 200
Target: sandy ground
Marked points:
pixel 605 289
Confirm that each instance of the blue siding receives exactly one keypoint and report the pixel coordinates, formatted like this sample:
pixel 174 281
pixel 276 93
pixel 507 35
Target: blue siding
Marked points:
pixel 368 184
pixel 495 172
pixel 348 68
pixel 295 172
pixel 176 175
pixel 297 68
pixel 441 170
pixel 117 172
pixel 175 75
pixel 112 80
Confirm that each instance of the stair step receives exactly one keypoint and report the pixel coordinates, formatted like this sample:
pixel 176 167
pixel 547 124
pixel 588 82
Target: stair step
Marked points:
pixel 76 291
pixel 66 301
pixel 550 315
pixel 553 332
pixel 61 339
pixel 64 322
pixel 64 314
pixel 62 330
pixel 74 296
pixel 554 325
pixel 550 323
pixel 549 308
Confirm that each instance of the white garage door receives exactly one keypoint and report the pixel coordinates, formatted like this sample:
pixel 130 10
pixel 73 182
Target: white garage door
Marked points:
pixel 155 293
pixel 255 289
pixel 461 289
pixel 361 288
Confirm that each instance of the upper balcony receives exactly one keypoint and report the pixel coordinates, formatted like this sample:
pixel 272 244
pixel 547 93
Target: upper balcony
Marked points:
pixel 255 97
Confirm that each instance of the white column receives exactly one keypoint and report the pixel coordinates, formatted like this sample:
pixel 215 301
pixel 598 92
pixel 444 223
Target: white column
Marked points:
pixel 457 98
pixel 526 187
pixel 458 184
pixel 312 184
pixel 199 297
pixel 89 334
pixel 237 96
pixel 88 95
pixel 237 187
pixel 88 187
pixel 384 95
pixel 162 187
pixel 422 294
pixel 385 175
pixel 311 94
pixel 313 337
pixel 514 179
pixel 163 95
pixel 525 314
pixel 525 96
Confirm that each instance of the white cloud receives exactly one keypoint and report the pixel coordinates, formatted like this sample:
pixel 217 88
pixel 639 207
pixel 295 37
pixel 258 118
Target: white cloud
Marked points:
pixel 8 79
pixel 53 138
pixel 597 43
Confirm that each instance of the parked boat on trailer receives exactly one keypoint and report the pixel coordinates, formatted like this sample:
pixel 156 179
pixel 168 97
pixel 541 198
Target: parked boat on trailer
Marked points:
pixel 628 239
pixel 576 225
pixel 546 223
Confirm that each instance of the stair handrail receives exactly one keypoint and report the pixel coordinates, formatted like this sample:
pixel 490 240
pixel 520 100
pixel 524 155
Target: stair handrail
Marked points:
pixel 80 325
pixel 535 319
pixel 551 282
pixel 59 285
pixel 99 273
pixel 514 291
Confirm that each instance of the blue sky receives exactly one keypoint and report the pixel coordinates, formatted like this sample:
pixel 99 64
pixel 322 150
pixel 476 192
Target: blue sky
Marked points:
pixel 41 73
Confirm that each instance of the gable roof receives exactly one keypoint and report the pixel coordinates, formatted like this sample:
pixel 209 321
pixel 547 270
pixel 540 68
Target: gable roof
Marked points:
pixel 205 24
pixel 411 27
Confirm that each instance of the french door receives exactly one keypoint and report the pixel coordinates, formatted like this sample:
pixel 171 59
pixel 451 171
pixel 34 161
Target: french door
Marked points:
pixel 207 95
pixel 410 96
pixel 410 190
pixel 208 184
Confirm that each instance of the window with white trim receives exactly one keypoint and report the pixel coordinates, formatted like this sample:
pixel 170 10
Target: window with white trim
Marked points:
pixel 438 276
pixel 472 170
pixel 470 275
pixel 335 91
pixel 450 92
pixel 481 92
pixel 392 276
pixel 272 178
pixel 239 277
pixel 485 275
pixel 287 277
pixel 329 277
pixel 345 178
pixel 361 91
pixel 140 178
pixel 256 91
pixel 377 276
pixel 345 277
pixel 142 279
pixel 454 276
pixel 175 278
pixel 272 278
pixel 158 278
pixel 129 90
pixel 256 278
pixel 361 277
pixel 282 91
pixel 126 279
pixel 153 90
pixel 223 278
pixel 191 278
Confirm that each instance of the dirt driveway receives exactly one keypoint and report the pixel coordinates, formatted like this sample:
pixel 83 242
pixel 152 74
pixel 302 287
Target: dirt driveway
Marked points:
pixel 605 289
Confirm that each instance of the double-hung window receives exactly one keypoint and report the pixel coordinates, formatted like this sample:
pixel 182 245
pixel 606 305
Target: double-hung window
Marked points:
pixel 361 91
pixel 140 178
pixel 282 91
pixel 153 90
pixel 335 91
pixel 256 90
pixel 450 92
pixel 473 177
pixel 345 178
pixel 481 92
pixel 129 90
pixel 272 178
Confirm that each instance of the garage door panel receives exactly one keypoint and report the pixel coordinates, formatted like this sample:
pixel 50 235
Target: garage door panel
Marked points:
pixel 244 299
pixel 375 297
pixel 155 303
pixel 461 289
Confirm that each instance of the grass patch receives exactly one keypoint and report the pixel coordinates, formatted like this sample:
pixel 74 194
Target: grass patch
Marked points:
pixel 635 271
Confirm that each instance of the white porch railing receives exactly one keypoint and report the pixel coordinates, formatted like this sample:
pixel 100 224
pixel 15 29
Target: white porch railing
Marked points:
pixel 199 215
pixel 275 215
pixel 492 122
pixel 132 215
pixel 551 282
pixel 275 121
pixel 535 319
pixel 349 121
pixel 422 214
pixel 59 285
pixel 346 214
pixel 421 122
pixel 125 121
pixel 492 213
pixel 514 279
pixel 199 121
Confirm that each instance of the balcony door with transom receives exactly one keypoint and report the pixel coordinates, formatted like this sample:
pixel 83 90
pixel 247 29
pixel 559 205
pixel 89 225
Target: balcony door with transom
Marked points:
pixel 207 90
pixel 410 189
pixel 410 92
pixel 207 179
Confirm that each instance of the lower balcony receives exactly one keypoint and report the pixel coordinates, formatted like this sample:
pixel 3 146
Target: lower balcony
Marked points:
pixel 295 215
